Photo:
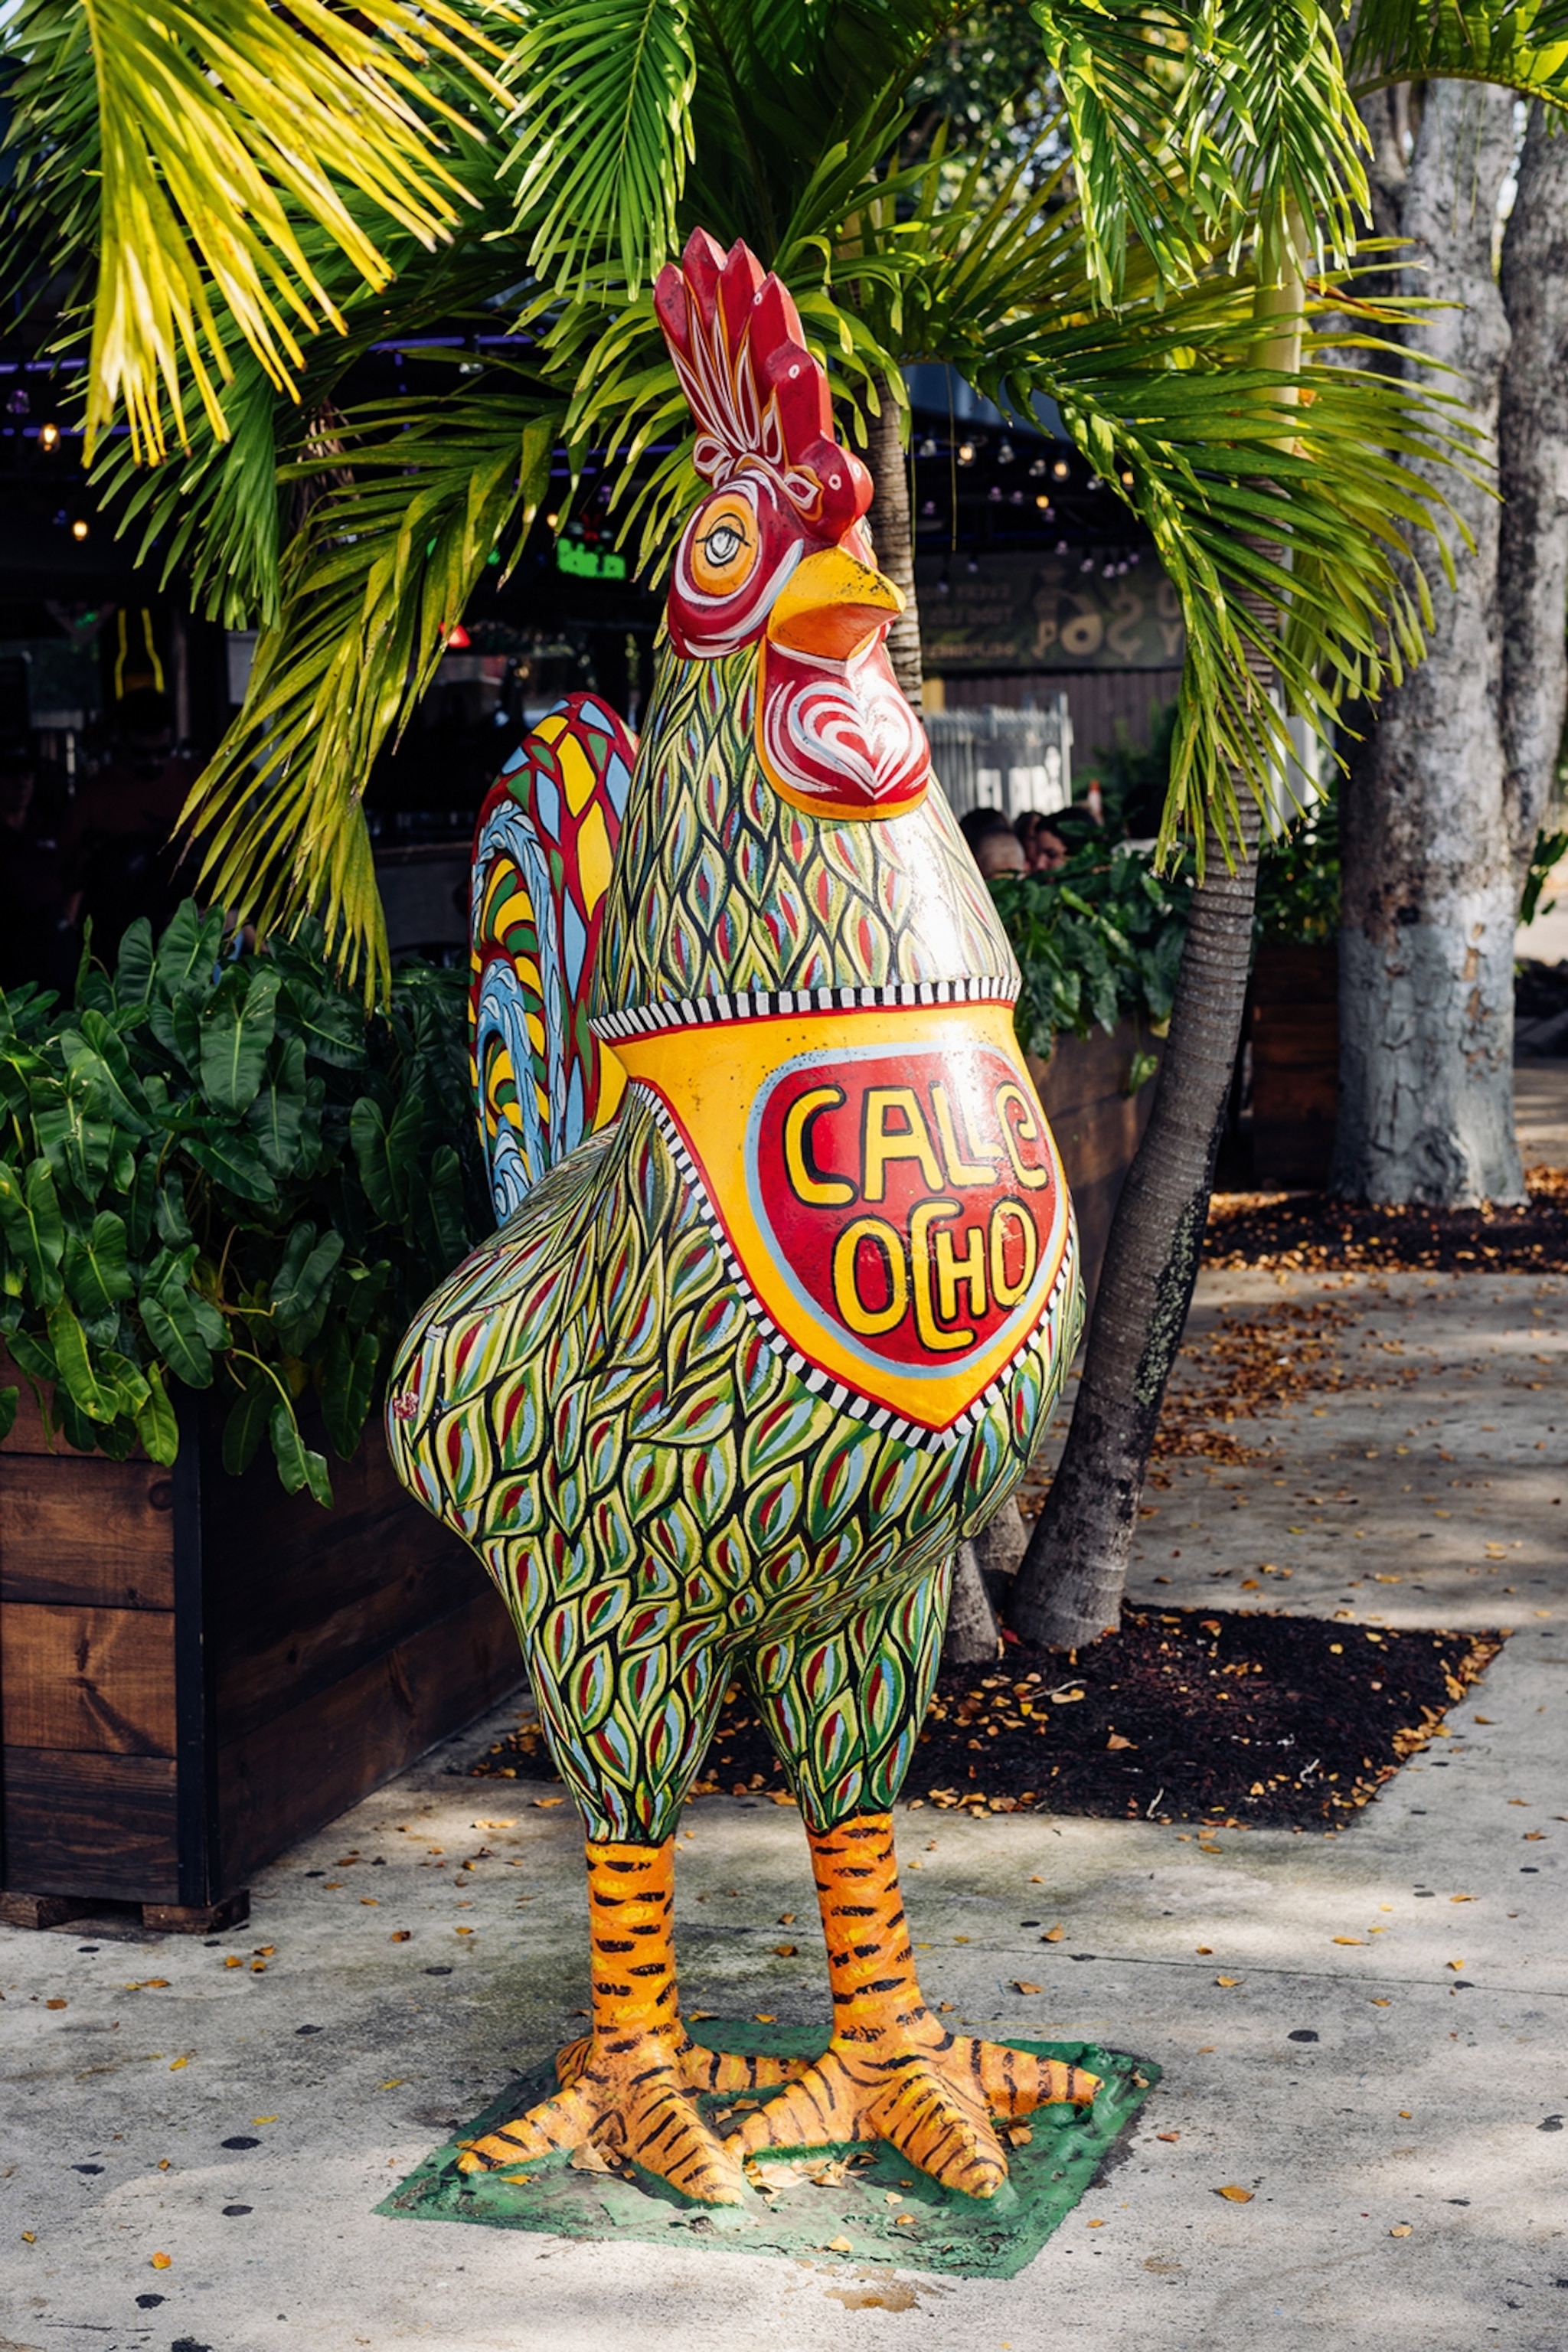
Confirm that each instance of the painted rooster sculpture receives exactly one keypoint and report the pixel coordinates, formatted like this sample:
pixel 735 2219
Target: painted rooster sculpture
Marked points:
pixel 785 1288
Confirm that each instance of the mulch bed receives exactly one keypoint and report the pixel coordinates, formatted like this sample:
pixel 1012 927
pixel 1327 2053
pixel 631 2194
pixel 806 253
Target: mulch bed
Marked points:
pixel 1313 1233
pixel 1219 1717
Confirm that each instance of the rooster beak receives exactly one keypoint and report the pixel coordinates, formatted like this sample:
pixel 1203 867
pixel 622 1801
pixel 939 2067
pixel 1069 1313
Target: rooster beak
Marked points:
pixel 832 604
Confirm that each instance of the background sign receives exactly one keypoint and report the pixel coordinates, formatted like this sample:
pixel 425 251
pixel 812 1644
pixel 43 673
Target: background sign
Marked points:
pixel 1018 610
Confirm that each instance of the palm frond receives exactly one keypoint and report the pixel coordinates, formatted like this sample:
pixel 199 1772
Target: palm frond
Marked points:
pixel 1521 45
pixel 222 126
pixel 603 134
pixel 1126 78
pixel 374 584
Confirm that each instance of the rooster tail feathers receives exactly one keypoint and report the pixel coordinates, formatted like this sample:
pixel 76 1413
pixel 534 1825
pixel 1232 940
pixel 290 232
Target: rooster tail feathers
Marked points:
pixel 544 852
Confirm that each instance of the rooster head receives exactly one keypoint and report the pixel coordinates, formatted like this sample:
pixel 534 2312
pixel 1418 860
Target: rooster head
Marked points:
pixel 776 556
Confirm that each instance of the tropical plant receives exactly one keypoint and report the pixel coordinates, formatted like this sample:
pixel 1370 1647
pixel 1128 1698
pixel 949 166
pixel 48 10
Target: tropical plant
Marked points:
pixel 218 1174
pixel 1098 940
pixel 1167 251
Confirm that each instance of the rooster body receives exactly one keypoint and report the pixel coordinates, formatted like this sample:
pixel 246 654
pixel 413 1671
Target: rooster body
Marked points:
pixel 786 1291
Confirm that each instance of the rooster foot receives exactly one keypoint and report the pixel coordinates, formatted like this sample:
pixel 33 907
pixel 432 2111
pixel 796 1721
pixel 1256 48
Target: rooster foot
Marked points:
pixel 932 2094
pixel 633 2098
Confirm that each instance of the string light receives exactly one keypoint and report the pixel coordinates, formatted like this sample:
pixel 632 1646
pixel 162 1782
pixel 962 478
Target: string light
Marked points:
pixel 49 434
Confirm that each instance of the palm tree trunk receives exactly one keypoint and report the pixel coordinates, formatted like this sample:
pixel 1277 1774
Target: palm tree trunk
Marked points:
pixel 1532 461
pixel 1429 897
pixel 893 538
pixel 1069 1590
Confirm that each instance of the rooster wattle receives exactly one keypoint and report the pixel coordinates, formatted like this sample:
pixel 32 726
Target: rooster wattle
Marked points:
pixel 785 1289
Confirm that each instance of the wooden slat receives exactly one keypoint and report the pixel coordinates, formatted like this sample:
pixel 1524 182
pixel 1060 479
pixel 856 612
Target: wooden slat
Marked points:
pixel 99 1825
pixel 290 1775
pixel 74 1527
pixel 88 1680
pixel 341 1588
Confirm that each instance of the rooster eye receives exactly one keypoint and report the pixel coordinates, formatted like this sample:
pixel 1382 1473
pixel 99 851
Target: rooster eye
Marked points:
pixel 723 544
pixel 724 548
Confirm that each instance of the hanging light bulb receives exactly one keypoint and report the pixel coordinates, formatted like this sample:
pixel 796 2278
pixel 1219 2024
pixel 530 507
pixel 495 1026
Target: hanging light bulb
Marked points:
pixel 1006 453
pixel 966 453
pixel 48 435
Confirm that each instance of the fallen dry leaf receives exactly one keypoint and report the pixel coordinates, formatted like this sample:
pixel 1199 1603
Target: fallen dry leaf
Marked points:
pixel 177 2063
pixel 1237 2195
pixel 1485 1718
pixel 543 1804
pixel 55 2004
pixel 1096 2225
pixel 1533 1837
pixel 234 1962
pixel 369 1901
pixel 1116 1740
pixel 403 1935
pixel 1228 1980
pixel 1400 2229
pixel 161 2261
pixel 764 2017
pixel 840 2246
pixel 588 2158
pixel 1054 1935
pixel 785 1951
pixel 1456 1965
pixel 1019 1986
pixel 1019 2136
pixel 1204 1951
pixel 905 2222
pixel 786 1918
pixel 1350 1939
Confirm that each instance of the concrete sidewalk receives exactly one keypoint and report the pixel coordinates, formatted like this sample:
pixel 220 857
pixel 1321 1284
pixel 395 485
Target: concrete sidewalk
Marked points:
pixel 1390 2058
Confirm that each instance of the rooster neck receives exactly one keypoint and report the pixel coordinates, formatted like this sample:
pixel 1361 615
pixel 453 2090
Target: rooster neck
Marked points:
pixel 720 886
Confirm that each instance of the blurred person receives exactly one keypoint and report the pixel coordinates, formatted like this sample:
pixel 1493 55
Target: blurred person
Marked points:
pixel 995 846
pixel 1044 848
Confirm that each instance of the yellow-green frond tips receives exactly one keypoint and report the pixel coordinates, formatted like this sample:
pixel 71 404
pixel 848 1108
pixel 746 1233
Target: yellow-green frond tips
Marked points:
pixel 234 140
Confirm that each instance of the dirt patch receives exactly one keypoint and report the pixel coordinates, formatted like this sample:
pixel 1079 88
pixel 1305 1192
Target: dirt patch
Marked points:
pixel 1279 1722
pixel 1311 1233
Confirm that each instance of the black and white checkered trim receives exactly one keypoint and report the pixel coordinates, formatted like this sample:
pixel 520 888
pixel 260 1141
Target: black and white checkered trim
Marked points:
pixel 766 1003
pixel 820 1383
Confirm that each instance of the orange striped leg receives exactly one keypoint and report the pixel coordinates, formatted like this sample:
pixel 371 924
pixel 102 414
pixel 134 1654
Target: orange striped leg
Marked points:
pixel 891 2070
pixel 628 2085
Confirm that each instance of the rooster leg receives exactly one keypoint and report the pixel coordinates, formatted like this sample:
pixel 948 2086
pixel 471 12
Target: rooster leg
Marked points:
pixel 891 2070
pixel 629 2085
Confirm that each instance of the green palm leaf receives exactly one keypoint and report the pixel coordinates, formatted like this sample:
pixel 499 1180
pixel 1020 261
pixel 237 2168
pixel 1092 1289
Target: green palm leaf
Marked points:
pixel 373 586
pixel 603 134
pixel 221 124
pixel 1521 45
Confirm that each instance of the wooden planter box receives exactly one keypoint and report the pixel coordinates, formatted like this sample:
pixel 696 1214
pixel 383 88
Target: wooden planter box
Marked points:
pixel 1294 1030
pixel 1097 1125
pixel 196 1670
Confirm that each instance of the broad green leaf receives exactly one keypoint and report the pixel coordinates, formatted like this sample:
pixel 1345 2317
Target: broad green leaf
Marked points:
pixel 96 1271
pixel 9 1400
pixel 35 1358
pixel 247 1421
pixel 233 1159
pixel 155 1424
pixel 447 1208
pixel 184 1329
pixel 133 966
pixel 237 1026
pixel 117 1375
pixel 367 1131
pixel 188 950
pixel 301 1285
pixel 34 1228
pixel 298 1465
pixel 74 1359
pixel 348 1386
pixel 169 1215
pixel 277 1117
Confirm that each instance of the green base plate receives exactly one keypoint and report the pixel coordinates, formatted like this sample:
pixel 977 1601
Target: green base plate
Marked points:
pixel 850 2219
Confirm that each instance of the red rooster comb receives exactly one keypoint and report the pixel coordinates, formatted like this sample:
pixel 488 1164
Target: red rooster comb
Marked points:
pixel 759 398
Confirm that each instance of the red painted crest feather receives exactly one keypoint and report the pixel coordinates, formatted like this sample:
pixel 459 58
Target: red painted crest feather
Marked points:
pixel 760 400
